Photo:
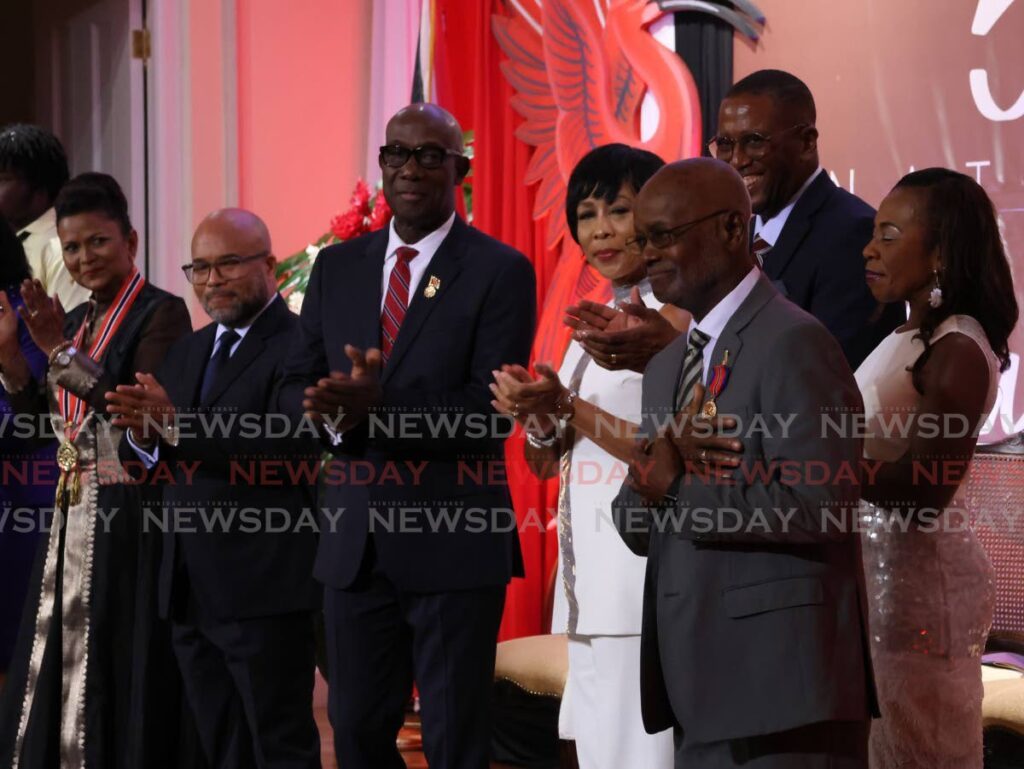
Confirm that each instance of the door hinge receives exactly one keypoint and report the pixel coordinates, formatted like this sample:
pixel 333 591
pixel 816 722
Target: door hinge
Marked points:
pixel 141 44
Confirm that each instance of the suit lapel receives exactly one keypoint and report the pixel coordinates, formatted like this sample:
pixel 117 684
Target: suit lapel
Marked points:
pixel 731 338
pixel 674 364
pixel 361 299
pixel 444 266
pixel 798 225
pixel 195 364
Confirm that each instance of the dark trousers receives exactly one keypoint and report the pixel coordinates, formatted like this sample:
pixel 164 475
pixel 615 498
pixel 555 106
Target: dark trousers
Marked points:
pixel 825 745
pixel 250 685
pixel 379 639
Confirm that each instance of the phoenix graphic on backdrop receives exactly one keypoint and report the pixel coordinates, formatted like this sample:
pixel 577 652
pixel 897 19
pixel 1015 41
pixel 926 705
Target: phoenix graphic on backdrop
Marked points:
pixel 582 72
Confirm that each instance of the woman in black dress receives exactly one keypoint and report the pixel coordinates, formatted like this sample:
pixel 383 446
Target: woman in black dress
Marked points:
pixel 93 683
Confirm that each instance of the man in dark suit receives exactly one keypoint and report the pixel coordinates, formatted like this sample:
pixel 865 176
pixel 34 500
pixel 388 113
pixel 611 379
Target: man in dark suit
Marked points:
pixel 401 333
pixel 236 573
pixel 754 642
pixel 808 234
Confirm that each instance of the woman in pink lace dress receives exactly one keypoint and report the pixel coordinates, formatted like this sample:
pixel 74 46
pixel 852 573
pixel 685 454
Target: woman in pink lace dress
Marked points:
pixel 927 388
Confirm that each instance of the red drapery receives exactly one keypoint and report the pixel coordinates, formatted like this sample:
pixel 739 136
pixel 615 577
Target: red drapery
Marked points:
pixel 470 85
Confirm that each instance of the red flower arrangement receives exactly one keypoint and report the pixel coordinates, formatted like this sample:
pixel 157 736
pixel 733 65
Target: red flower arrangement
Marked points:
pixel 367 211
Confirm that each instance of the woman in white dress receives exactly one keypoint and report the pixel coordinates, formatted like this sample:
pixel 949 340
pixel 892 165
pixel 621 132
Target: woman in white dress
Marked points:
pixel 580 425
pixel 927 389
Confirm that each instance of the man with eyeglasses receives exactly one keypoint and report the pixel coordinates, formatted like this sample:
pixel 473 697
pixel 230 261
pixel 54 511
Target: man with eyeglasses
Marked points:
pixel 807 233
pixel 236 575
pixel 401 333
pixel 754 643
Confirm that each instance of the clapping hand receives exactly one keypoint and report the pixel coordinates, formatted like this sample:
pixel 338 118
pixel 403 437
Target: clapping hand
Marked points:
pixel 699 441
pixel 344 400
pixel 44 316
pixel 533 402
pixel 144 408
pixel 624 338
pixel 693 444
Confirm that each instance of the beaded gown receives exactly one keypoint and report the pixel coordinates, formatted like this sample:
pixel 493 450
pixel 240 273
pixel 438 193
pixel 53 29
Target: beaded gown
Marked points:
pixel 930 585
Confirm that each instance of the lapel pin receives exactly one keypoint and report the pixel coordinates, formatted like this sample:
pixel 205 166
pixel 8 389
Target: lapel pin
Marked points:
pixel 432 287
pixel 719 378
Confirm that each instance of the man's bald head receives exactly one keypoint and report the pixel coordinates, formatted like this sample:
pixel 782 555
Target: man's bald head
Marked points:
pixel 233 266
pixel 421 165
pixel 437 118
pixel 699 210
pixel 701 182
pixel 237 223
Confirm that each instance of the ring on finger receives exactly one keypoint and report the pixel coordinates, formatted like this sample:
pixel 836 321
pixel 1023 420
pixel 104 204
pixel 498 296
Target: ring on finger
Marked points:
pixel 614 357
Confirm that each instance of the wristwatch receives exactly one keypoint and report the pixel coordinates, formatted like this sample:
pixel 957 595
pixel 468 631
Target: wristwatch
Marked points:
pixel 64 356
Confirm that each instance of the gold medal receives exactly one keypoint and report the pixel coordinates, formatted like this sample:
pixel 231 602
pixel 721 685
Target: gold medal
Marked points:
pixel 719 378
pixel 432 287
pixel 67 457
pixel 67 461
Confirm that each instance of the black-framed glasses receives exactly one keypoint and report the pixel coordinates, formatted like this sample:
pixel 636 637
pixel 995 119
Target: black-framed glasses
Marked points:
pixel 429 156
pixel 665 238
pixel 229 268
pixel 753 145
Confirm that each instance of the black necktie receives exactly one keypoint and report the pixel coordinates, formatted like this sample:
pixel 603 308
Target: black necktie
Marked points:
pixel 216 364
pixel 760 249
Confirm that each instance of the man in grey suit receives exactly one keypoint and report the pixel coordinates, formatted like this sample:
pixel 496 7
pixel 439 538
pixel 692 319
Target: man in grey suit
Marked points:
pixel 754 642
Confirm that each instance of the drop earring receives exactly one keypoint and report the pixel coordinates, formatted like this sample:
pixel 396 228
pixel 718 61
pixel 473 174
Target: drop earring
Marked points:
pixel 935 297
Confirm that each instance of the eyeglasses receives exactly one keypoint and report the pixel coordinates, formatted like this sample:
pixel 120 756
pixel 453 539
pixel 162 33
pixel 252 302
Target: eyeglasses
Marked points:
pixel 229 268
pixel 429 156
pixel 753 145
pixel 665 238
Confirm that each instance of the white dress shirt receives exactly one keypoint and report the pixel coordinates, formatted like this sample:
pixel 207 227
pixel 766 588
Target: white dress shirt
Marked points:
pixel 770 230
pixel 713 324
pixel 46 260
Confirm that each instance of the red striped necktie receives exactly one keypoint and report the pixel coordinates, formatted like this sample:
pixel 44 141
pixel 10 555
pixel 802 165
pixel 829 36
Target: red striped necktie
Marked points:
pixel 396 301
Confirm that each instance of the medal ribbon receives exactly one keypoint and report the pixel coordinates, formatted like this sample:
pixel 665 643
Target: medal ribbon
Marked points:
pixel 719 378
pixel 72 408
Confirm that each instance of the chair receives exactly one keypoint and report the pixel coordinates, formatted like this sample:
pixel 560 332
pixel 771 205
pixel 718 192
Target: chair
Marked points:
pixel 995 496
pixel 529 678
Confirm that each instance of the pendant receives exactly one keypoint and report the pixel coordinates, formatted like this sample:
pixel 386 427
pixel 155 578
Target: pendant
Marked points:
pixel 67 461
pixel 710 409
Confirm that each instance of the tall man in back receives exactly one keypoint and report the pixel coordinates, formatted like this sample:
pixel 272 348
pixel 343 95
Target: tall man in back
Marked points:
pixel 401 330
pixel 808 233
pixel 236 574
pixel 753 640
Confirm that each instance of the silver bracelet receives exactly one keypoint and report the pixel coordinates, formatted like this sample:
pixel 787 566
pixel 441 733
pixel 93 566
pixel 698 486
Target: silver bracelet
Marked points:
pixel 542 443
